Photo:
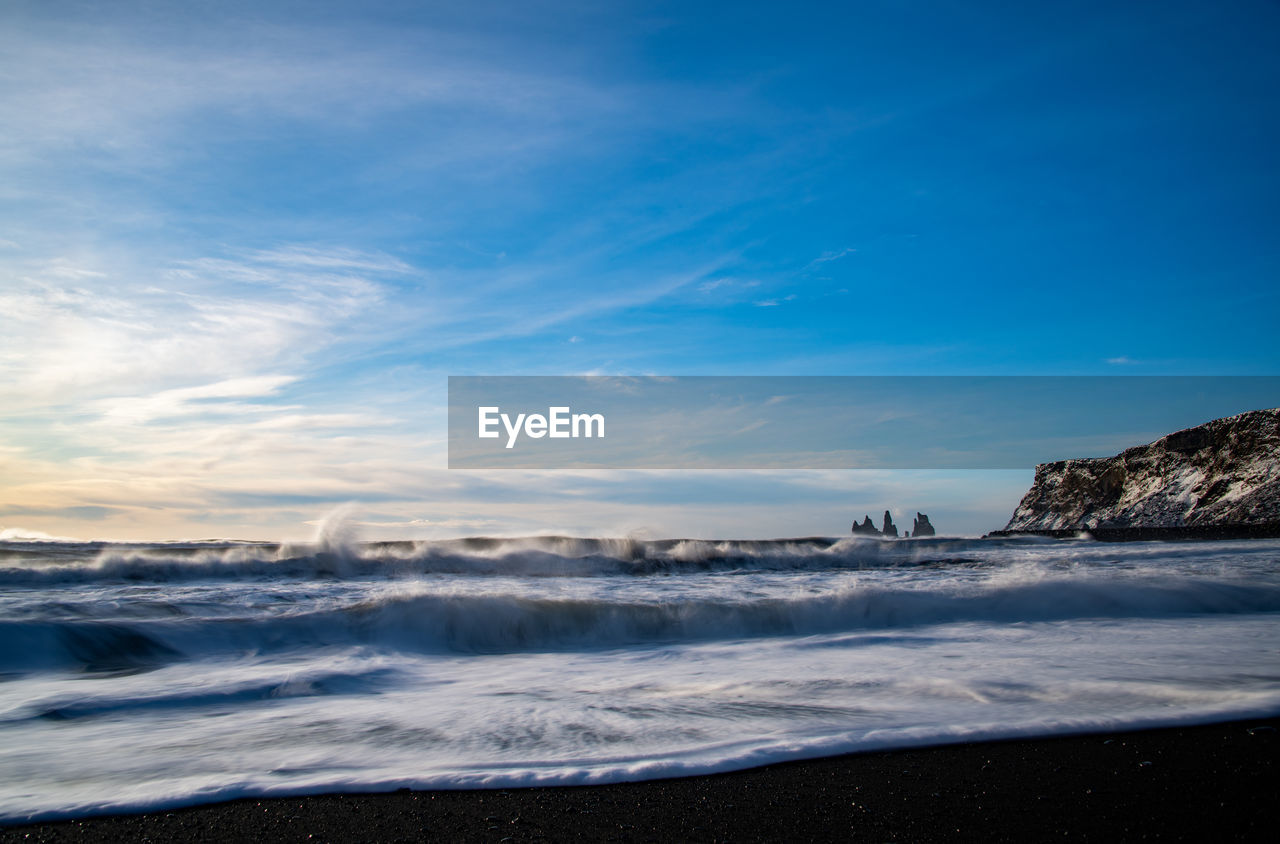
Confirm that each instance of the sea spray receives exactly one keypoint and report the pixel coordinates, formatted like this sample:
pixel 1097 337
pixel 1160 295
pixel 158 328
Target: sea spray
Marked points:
pixel 337 542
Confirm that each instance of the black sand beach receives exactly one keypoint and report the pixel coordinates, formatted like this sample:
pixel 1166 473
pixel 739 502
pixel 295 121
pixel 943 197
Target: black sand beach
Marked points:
pixel 1215 782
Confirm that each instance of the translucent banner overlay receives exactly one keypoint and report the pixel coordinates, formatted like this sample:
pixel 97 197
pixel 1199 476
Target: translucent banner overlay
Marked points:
pixel 826 422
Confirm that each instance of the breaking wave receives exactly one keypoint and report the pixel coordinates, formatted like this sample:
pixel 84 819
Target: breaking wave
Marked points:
pixel 337 556
pixel 511 623
pixel 528 557
pixel 141 675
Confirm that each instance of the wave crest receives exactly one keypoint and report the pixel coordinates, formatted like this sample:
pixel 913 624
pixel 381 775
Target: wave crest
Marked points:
pixel 336 555
pixel 511 623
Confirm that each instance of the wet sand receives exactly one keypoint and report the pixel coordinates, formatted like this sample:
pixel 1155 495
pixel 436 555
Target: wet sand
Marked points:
pixel 1201 783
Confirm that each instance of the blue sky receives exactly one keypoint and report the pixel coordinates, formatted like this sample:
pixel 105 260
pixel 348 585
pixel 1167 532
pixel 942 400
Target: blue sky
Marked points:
pixel 243 245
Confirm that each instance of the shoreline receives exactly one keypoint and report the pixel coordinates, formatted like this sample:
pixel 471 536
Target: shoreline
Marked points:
pixel 1269 530
pixel 1175 783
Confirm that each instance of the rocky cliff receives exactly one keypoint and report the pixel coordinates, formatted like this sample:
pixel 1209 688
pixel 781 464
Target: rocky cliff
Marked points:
pixel 1225 472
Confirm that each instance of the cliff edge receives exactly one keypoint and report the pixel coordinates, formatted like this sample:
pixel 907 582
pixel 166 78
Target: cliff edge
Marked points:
pixel 1224 472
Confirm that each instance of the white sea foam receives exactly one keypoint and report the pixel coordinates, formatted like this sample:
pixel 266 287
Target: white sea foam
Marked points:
pixel 229 670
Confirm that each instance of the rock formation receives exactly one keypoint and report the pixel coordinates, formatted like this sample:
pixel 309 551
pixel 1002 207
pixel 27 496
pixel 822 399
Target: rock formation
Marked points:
pixel 920 528
pixel 866 527
pixel 1225 472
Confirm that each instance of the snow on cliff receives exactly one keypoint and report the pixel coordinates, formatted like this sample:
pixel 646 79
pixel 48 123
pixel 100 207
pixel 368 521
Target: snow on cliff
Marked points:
pixel 1222 472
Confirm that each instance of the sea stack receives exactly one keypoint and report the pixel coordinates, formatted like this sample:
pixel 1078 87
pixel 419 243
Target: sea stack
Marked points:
pixel 921 526
pixel 866 527
pixel 1223 475
pixel 889 528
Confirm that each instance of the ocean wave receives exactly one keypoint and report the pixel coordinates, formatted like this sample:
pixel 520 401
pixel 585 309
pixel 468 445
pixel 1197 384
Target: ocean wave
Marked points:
pixel 51 564
pixel 234 697
pixel 550 556
pixel 460 623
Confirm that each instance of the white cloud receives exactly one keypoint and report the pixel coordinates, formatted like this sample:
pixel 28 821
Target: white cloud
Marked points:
pixel 310 257
pixel 21 534
pixel 121 95
pixel 206 321
pixel 828 257
pixel 190 400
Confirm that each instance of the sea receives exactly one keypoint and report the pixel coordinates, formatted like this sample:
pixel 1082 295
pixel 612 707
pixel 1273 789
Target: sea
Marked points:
pixel 146 676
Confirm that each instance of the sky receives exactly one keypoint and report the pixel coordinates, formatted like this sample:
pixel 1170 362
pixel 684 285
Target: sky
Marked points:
pixel 243 245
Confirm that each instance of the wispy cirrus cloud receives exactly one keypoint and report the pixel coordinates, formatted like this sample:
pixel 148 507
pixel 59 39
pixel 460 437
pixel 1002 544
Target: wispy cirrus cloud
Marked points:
pixel 773 303
pixel 185 401
pixel 78 332
pixel 828 257
pixel 133 94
